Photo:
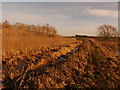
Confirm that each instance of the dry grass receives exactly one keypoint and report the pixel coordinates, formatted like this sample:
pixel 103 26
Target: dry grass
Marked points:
pixel 94 65
pixel 21 36
pixel 20 40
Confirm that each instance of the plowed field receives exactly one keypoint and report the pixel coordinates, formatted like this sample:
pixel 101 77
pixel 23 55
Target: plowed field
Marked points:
pixel 81 64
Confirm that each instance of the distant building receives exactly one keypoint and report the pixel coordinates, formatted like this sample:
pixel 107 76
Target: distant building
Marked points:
pixel 81 36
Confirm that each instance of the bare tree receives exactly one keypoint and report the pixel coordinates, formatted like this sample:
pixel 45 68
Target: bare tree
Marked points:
pixel 107 31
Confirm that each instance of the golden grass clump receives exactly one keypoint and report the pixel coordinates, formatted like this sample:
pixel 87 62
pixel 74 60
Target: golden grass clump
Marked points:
pixel 21 36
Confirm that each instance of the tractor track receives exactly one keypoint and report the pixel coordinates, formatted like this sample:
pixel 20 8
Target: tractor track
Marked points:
pixel 38 60
pixel 78 65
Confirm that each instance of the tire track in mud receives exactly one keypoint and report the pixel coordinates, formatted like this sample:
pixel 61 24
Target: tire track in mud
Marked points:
pixel 41 60
pixel 84 66
pixel 94 66
pixel 44 68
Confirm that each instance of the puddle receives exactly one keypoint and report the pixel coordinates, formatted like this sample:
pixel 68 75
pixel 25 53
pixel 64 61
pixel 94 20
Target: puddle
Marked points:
pixel 63 57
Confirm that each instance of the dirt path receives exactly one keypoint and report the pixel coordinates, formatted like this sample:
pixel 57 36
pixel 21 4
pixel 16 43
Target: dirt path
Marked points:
pixel 70 65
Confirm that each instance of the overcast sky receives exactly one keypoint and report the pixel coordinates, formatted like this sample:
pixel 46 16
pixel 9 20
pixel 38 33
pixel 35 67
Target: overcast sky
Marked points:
pixel 69 18
pixel 59 0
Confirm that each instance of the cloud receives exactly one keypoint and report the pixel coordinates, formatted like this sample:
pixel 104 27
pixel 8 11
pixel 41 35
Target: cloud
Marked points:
pixel 0 11
pixel 102 13
pixel 68 18
pixel 61 0
pixel 23 17
pixel 61 16
pixel 32 18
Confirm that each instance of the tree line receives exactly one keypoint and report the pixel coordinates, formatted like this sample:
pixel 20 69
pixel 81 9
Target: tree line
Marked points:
pixel 46 28
pixel 104 31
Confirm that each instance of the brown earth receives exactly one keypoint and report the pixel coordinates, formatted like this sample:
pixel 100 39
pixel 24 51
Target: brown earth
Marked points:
pixel 94 64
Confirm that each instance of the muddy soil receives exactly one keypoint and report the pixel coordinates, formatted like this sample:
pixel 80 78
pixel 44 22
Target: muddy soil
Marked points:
pixel 83 64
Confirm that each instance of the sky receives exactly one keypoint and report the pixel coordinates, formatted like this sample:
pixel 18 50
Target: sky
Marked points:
pixel 69 18
pixel 59 0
